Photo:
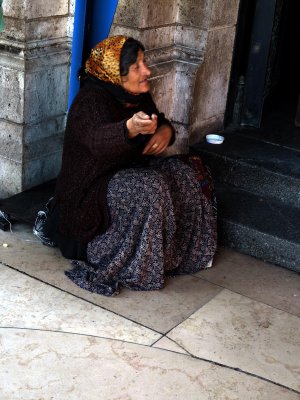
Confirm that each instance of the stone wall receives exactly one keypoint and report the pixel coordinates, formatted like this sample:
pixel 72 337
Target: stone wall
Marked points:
pixel 212 80
pixel 34 78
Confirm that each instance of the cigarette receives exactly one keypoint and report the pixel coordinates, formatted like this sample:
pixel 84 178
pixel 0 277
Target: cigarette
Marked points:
pixel 155 77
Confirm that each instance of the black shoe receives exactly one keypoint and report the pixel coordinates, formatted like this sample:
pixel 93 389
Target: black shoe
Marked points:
pixel 38 229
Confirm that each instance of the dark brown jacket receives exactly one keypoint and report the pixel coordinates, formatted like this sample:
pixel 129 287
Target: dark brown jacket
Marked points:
pixel 95 148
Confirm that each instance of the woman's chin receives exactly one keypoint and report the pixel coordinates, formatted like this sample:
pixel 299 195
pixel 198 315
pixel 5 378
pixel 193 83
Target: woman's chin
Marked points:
pixel 145 87
pixel 142 88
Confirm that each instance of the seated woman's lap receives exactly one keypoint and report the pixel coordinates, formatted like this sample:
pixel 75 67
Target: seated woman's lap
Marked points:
pixel 156 212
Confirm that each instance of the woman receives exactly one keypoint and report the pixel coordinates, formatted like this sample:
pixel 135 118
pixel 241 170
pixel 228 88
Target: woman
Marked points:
pixel 126 215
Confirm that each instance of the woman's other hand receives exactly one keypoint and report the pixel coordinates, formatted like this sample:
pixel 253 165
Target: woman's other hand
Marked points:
pixel 159 141
pixel 141 123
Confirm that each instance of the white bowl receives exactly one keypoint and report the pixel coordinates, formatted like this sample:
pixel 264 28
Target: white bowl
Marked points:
pixel 215 139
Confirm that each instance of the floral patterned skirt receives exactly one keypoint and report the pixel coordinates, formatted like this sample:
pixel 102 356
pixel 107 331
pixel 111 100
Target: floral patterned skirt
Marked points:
pixel 163 222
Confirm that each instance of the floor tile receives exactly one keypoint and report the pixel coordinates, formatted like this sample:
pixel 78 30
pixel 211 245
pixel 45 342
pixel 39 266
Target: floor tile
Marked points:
pixel 242 333
pixel 260 281
pixel 28 303
pixel 168 344
pixel 47 365
pixel 160 310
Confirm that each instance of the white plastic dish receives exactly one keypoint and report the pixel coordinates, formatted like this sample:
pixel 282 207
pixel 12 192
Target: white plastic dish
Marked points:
pixel 215 139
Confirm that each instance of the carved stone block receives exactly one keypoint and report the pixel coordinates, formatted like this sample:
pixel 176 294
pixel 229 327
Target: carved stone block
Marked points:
pixel 211 85
pixel 34 80
pixel 12 94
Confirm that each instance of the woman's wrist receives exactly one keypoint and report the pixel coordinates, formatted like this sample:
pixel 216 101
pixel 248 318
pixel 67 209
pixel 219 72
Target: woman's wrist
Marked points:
pixel 130 129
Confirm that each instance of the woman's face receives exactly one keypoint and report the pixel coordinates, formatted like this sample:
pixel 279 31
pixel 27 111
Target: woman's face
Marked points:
pixel 136 81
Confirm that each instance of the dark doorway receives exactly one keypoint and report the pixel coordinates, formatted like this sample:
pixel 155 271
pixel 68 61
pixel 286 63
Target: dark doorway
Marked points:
pixel 265 84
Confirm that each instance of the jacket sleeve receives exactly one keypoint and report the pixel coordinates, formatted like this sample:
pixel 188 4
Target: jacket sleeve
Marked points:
pixel 149 107
pixel 95 126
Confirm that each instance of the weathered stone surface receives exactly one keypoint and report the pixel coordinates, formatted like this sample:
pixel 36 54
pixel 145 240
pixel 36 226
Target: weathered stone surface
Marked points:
pixel 191 37
pixel 171 88
pixel 163 88
pixel 214 124
pixel 41 170
pixel 35 8
pixel 181 144
pixel 211 86
pixel 15 9
pixel 174 35
pixel 50 28
pixel 131 13
pixel 194 12
pixel 160 13
pixel 166 83
pixel 240 160
pixel 11 95
pixel 170 80
pixel 174 53
pixel 43 129
pixel 33 105
pixel 224 15
pixel 14 31
pixel 44 8
pixel 10 177
pixel 47 56
pixel 43 147
pixel 126 31
pixel 11 140
pixel 46 93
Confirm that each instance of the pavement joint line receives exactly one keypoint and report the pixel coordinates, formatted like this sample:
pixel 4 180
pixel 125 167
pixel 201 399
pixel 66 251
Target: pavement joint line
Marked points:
pixel 243 372
pixel 163 335
pixel 236 369
pixel 177 344
pixel 72 333
pixel 246 296
pixel 78 297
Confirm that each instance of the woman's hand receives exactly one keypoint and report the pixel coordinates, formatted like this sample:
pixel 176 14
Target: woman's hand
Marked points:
pixel 159 141
pixel 141 123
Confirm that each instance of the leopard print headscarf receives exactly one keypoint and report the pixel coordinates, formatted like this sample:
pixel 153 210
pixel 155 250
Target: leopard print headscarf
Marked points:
pixel 104 61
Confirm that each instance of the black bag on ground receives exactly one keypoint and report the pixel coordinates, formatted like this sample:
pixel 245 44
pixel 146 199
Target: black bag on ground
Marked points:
pixel 46 229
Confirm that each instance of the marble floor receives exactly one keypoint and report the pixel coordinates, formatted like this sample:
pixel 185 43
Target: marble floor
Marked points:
pixel 230 332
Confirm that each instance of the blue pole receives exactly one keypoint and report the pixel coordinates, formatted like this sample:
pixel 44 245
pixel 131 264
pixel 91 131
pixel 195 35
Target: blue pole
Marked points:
pixel 77 47
pixel 101 19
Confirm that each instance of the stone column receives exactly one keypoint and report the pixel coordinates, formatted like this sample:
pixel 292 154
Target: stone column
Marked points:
pixel 34 79
pixel 212 80
pixel 175 34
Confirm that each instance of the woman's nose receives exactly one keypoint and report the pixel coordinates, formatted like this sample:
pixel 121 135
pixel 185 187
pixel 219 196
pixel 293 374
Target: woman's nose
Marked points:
pixel 146 70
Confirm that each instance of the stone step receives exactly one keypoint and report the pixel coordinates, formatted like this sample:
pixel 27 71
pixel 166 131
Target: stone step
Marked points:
pixel 257 166
pixel 258 226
